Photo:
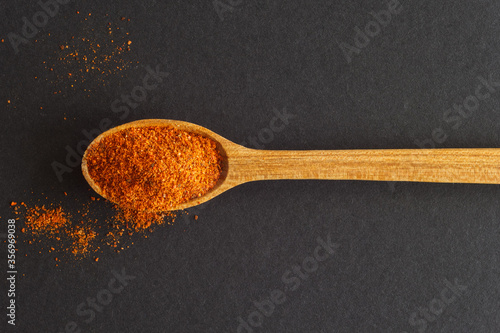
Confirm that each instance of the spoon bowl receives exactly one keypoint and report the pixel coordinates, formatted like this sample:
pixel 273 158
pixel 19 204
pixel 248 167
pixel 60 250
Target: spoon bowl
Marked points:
pixel 223 145
pixel 241 164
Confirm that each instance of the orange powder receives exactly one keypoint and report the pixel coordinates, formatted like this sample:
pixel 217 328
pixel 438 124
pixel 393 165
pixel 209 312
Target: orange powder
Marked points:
pixel 154 168
pixel 41 220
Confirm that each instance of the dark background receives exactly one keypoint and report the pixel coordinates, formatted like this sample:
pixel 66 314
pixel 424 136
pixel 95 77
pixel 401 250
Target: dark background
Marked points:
pixel 398 243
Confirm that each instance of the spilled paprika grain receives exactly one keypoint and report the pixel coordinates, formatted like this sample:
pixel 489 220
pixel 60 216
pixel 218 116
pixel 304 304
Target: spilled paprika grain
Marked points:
pixel 82 237
pixel 56 224
pixel 154 168
pixel 42 220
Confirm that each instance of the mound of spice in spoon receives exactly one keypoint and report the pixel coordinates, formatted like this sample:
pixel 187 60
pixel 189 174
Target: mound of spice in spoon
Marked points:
pixel 154 168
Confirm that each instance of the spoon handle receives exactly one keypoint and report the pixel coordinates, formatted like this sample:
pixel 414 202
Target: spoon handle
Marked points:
pixel 463 165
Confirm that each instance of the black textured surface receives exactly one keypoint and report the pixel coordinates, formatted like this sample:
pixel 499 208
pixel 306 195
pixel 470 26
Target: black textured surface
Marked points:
pixel 408 257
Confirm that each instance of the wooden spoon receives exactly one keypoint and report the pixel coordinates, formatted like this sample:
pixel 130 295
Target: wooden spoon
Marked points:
pixel 241 164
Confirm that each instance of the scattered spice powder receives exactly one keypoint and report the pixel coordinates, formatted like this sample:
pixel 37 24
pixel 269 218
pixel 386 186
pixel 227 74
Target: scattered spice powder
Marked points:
pixel 41 220
pixel 79 233
pixel 138 220
pixel 82 238
pixel 87 62
pixel 154 168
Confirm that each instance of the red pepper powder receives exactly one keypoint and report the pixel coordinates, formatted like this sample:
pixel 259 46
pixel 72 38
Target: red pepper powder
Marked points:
pixel 82 238
pixel 56 224
pixel 46 220
pixel 154 168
